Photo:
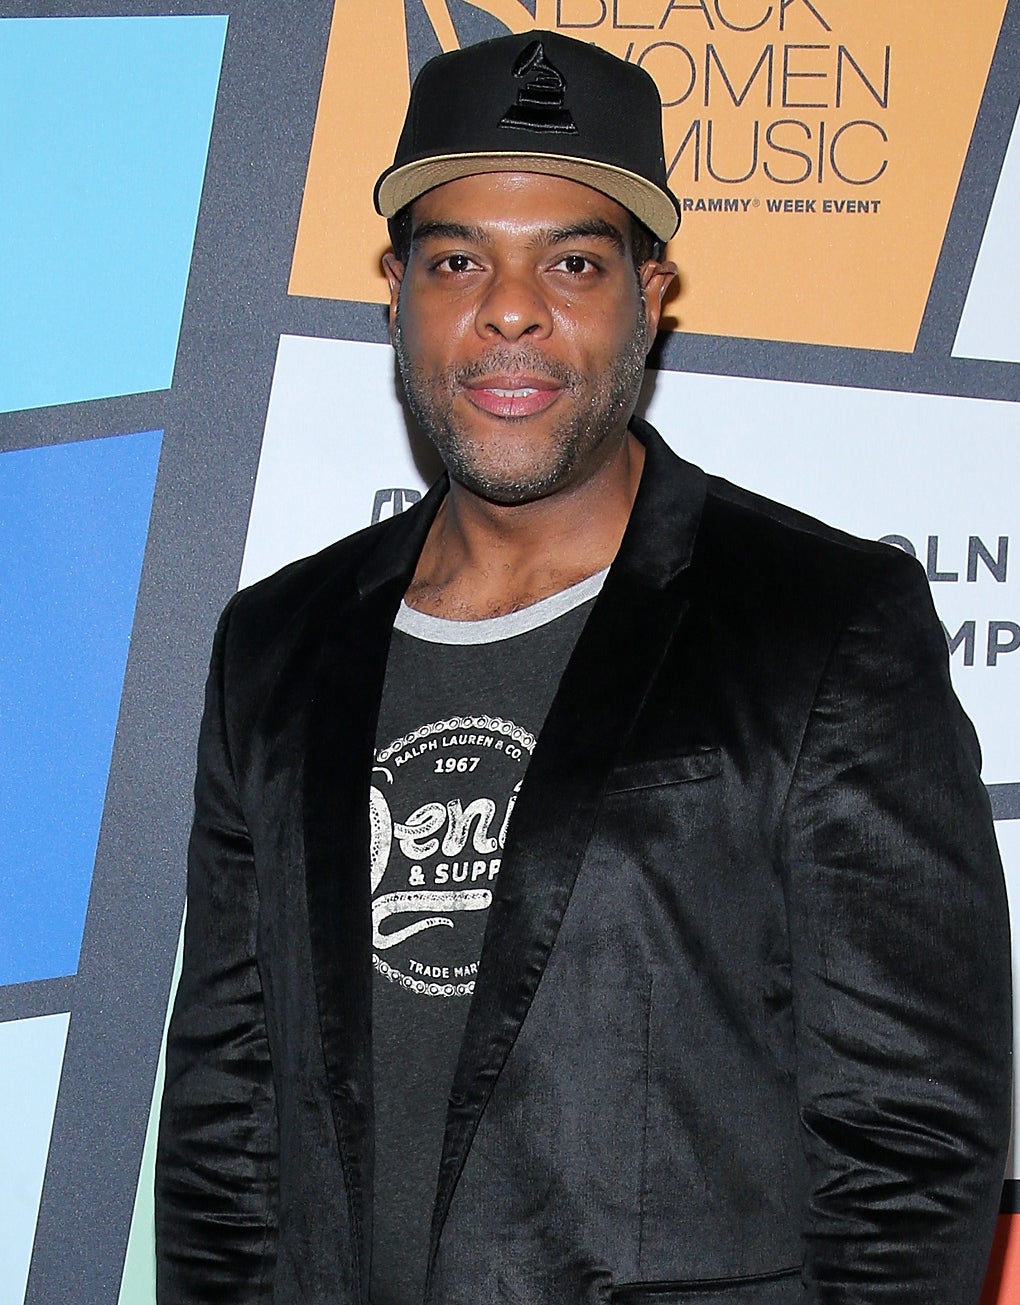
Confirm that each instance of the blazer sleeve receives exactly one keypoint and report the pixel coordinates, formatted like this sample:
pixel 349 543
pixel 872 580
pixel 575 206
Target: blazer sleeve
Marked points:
pixel 216 1165
pixel 900 965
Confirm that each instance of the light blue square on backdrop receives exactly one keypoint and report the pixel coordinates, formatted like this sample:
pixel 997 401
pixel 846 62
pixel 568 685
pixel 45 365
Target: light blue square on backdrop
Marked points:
pixel 104 131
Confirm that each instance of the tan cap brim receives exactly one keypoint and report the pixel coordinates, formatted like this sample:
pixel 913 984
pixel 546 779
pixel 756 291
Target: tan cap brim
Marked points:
pixel 650 205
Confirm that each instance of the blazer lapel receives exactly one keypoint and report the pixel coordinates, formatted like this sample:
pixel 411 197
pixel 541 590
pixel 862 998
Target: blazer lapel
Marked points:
pixel 352 625
pixel 599 696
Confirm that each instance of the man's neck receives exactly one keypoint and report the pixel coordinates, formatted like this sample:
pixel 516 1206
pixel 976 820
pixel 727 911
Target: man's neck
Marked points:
pixel 483 559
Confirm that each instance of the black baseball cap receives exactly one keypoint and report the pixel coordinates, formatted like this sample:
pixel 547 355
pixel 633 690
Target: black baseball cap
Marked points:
pixel 535 102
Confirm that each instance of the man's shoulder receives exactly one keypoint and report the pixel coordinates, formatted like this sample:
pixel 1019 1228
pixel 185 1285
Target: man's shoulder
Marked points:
pixel 298 598
pixel 758 553
pixel 768 533
pixel 740 538
pixel 298 583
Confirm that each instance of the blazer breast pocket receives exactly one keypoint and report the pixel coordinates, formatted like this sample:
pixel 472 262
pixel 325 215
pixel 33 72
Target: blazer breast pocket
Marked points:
pixel 784 1287
pixel 683 767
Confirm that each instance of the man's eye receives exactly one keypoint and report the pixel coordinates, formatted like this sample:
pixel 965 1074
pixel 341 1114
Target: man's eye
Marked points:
pixel 576 264
pixel 456 263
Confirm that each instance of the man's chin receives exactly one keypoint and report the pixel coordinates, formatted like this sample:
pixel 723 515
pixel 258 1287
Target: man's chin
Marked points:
pixel 502 494
pixel 505 489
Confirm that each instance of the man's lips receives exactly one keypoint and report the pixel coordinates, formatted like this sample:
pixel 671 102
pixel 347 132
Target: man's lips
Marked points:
pixel 513 396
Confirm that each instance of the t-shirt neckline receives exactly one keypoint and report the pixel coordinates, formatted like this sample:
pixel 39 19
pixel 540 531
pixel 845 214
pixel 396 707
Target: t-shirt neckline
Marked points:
pixel 491 629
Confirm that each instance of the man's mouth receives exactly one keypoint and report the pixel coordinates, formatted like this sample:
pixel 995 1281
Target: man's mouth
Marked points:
pixel 513 397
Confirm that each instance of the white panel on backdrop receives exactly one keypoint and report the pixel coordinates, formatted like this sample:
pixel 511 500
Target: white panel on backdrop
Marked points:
pixel 335 436
pixel 939 472
pixel 990 325
pixel 31 1055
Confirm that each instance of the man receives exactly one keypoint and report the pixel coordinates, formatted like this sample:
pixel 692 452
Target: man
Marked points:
pixel 593 897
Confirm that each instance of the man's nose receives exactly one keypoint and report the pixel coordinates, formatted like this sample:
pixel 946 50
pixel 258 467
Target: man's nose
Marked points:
pixel 514 307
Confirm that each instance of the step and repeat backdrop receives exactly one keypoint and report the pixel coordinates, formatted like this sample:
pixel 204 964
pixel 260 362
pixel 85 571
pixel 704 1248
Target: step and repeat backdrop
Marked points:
pixel 196 387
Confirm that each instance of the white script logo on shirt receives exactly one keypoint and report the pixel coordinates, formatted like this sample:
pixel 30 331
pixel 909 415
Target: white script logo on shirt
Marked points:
pixel 442 857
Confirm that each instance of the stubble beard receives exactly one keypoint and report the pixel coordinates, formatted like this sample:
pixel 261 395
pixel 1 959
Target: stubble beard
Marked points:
pixel 606 407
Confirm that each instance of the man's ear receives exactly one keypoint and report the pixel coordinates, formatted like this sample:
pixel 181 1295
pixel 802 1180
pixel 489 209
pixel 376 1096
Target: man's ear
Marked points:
pixel 656 276
pixel 394 270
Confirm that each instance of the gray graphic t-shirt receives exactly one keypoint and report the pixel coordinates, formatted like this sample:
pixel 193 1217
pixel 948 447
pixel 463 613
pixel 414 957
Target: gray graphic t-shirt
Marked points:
pixel 462 706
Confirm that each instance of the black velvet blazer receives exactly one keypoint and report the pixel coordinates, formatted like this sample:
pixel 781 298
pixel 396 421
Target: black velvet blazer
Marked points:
pixel 741 1029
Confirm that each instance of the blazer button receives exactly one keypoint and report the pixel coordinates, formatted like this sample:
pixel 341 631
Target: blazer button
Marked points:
pixel 457 1098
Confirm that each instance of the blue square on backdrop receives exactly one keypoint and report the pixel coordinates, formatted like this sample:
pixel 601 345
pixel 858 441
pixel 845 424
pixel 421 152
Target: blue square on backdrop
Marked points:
pixel 73 524
pixel 104 131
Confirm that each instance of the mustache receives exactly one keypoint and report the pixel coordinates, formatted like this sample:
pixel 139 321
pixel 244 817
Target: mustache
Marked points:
pixel 523 360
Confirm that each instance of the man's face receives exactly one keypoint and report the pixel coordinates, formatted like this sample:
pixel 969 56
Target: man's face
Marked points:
pixel 521 330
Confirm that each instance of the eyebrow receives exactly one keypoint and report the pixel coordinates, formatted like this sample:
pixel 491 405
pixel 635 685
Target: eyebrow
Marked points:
pixel 448 231
pixel 586 229
pixel 589 229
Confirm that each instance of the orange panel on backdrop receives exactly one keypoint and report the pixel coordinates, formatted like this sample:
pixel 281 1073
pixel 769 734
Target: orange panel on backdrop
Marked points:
pixel 1002 1286
pixel 365 85
pixel 816 146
